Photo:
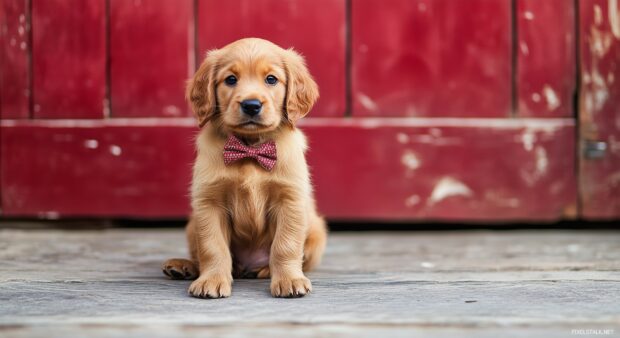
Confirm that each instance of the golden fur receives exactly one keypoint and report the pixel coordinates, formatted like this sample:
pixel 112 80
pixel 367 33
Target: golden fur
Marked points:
pixel 246 221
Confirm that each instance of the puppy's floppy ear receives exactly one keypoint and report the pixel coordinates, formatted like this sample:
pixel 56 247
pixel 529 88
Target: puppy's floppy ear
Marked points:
pixel 301 90
pixel 200 90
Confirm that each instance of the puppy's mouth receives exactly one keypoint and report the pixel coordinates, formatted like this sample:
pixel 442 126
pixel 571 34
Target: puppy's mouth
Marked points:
pixel 251 126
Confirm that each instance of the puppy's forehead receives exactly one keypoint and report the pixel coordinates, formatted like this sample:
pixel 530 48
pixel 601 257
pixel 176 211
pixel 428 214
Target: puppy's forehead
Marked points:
pixel 252 58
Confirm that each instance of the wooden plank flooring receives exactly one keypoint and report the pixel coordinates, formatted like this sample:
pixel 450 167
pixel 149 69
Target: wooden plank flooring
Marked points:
pixel 101 283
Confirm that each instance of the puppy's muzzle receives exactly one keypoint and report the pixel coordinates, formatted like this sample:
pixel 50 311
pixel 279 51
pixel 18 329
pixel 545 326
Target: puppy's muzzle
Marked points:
pixel 251 107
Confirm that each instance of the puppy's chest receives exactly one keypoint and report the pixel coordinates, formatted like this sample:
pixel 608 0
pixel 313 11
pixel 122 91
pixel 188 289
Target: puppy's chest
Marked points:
pixel 249 200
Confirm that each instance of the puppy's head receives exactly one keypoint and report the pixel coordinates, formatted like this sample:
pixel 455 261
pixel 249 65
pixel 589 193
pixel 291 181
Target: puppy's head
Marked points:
pixel 252 86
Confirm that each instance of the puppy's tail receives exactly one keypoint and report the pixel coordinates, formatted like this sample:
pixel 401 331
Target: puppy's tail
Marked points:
pixel 315 243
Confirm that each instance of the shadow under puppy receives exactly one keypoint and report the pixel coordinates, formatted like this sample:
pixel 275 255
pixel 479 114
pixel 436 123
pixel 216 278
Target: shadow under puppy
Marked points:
pixel 253 210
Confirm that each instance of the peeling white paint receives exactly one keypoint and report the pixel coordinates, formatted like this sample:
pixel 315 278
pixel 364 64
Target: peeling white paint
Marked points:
pixel 172 110
pixel 435 132
pixel 528 15
pixel 402 138
pixel 412 200
pixel 410 160
pixel 614 18
pixel 367 102
pixel 116 150
pixel 447 187
pixel 528 138
pixel 553 102
pixel 542 162
pixel 91 144
pixel 23 46
pixel 598 15
pixel 536 97
pixel 525 50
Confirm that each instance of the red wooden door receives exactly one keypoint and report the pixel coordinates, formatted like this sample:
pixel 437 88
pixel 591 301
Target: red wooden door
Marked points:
pixel 455 109
pixel 600 109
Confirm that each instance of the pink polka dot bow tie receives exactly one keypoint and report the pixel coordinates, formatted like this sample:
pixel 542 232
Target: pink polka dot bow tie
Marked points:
pixel 265 154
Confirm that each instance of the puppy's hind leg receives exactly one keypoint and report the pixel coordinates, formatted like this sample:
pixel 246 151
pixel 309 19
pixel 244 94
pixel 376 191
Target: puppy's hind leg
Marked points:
pixel 180 268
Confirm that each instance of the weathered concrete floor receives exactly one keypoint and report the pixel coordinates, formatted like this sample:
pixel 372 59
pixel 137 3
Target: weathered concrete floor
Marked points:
pixel 475 284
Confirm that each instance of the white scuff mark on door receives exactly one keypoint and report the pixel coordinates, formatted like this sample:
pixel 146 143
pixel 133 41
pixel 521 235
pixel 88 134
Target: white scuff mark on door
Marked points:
pixel 528 15
pixel 610 78
pixel 116 150
pixel 422 7
pixel 91 144
pixel 367 102
pixel 402 138
pixel 412 201
pixel 528 138
pixel 172 110
pixel 553 102
pixel 106 108
pixel 598 15
pixel 525 50
pixel 542 162
pixel 410 160
pixel 614 18
pixel 447 187
pixel 435 132
pixel 533 174
pixel 536 97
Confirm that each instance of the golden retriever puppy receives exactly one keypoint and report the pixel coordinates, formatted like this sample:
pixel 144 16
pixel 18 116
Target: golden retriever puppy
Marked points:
pixel 253 211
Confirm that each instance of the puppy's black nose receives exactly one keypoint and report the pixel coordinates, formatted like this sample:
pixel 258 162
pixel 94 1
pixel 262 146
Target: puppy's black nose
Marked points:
pixel 251 107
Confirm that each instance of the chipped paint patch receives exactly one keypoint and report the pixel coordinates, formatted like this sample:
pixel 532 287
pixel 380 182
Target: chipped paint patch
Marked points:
pixel 528 15
pixel 116 150
pixel 91 144
pixel 447 187
pixel 542 162
pixel 614 19
pixel 528 138
pixel 172 111
pixel 412 201
pixel 525 50
pixel 553 102
pixel 536 97
pixel 367 102
pixel 540 167
pixel 410 160
pixel 402 138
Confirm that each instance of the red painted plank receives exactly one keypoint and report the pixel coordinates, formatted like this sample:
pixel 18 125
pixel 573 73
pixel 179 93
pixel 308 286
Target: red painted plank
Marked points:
pixel 599 108
pixel 69 58
pixel 152 55
pixel 402 169
pixel 546 66
pixel 431 58
pixel 314 28
pixel 14 68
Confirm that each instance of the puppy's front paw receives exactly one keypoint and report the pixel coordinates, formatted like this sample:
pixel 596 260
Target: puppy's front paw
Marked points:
pixel 211 286
pixel 284 286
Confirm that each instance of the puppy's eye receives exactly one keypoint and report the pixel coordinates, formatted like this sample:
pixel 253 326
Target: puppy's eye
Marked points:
pixel 271 80
pixel 231 80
